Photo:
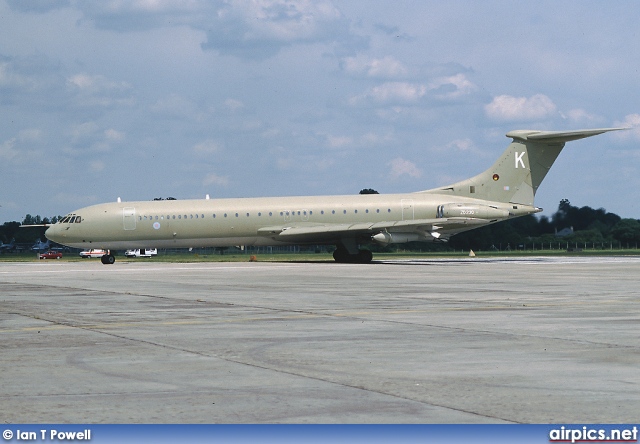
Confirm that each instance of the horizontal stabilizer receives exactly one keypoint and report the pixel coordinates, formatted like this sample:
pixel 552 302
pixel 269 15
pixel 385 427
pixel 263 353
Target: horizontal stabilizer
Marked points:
pixel 558 136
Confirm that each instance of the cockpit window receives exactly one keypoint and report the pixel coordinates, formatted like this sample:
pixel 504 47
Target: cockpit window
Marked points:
pixel 70 219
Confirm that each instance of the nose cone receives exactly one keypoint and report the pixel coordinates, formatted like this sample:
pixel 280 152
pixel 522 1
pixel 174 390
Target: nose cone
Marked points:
pixel 53 233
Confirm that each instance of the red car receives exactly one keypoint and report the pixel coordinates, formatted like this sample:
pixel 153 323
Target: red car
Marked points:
pixel 51 255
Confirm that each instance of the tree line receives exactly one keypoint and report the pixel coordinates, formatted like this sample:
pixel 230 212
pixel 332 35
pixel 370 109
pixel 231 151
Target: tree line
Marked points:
pixel 569 225
pixel 12 231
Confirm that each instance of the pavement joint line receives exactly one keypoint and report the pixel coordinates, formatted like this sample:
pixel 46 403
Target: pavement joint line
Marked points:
pixel 308 315
pixel 263 367
pixel 354 315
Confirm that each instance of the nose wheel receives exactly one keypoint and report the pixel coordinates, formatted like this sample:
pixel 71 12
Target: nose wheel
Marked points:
pixel 108 259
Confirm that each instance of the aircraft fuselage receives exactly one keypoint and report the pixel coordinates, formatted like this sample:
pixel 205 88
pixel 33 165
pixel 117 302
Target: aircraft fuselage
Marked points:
pixel 246 221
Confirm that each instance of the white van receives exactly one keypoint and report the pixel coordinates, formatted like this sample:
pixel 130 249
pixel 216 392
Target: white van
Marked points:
pixel 142 252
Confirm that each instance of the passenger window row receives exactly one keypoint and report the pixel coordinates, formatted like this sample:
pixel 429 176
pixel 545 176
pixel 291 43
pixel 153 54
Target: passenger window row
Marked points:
pixel 215 215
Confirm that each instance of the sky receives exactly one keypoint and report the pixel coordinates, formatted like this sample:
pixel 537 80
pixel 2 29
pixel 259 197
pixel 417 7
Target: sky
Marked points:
pixel 248 98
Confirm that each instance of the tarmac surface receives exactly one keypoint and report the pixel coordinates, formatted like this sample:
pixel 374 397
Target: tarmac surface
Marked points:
pixel 537 340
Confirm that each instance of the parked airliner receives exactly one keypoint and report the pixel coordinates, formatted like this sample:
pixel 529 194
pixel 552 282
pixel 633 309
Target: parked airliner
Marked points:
pixel 504 191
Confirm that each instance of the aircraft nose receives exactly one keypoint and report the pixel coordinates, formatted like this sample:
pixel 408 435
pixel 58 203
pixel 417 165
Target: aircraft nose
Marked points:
pixel 53 233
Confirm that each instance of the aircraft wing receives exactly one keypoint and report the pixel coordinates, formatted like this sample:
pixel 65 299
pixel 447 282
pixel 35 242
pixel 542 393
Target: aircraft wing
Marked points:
pixel 441 228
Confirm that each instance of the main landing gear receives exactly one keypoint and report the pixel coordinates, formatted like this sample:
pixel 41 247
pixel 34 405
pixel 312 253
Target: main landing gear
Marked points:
pixel 342 255
pixel 108 259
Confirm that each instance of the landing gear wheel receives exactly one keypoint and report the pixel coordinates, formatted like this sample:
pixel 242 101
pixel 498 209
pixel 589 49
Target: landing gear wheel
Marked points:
pixel 364 256
pixel 343 257
pixel 108 259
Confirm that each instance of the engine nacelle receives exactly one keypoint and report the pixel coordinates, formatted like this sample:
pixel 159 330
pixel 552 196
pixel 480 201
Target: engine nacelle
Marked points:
pixel 471 210
pixel 397 238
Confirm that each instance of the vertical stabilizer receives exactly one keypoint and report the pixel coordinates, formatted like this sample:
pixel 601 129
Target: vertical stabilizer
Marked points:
pixel 517 174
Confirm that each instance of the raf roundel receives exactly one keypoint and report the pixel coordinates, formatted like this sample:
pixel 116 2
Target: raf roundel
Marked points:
pixel 156 225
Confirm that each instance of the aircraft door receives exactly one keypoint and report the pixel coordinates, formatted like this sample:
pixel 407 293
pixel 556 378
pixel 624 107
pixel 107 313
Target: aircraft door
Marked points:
pixel 407 209
pixel 129 218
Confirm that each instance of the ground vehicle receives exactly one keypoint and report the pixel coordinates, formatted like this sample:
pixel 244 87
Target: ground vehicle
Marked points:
pixel 142 252
pixel 93 253
pixel 50 255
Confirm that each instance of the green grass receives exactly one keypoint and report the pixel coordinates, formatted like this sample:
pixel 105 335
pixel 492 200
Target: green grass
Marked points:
pixel 313 257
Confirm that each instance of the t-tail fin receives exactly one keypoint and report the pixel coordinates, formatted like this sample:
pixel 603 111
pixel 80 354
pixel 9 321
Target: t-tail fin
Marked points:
pixel 517 174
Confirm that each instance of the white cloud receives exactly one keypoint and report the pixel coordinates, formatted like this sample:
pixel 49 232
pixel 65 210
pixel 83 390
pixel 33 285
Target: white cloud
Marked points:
pixel 452 87
pixel 260 28
pixel 630 121
pixel 401 167
pixel 114 135
pixel 393 92
pixel 27 74
pixel 208 146
pixel 369 139
pixel 509 108
pixel 175 105
pixel 97 90
pixel 255 29
pixel 233 104
pixel 366 140
pixel 579 115
pixel 100 147
pixel 83 131
pixel 141 15
pixel 96 83
pixel 10 78
pixel 339 141
pixel 282 20
pixel 96 166
pixel 285 163
pixel 81 81
pixel 214 179
pixel 8 152
pixel 18 150
pixel 270 133
pixel 461 145
pixel 386 67
pixel 88 136
pixel 30 135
